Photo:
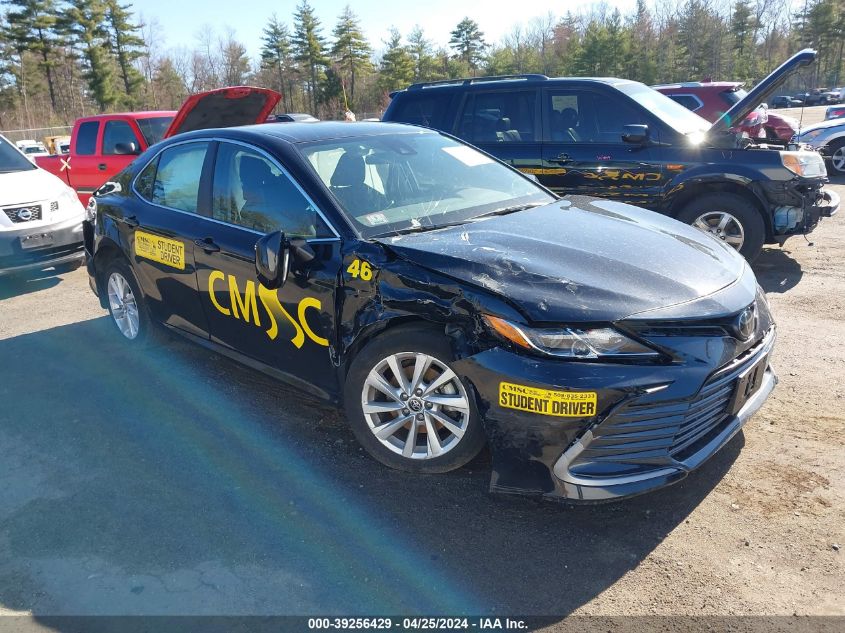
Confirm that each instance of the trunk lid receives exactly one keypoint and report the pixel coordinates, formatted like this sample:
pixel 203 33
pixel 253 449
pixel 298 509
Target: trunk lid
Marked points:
pixel 224 107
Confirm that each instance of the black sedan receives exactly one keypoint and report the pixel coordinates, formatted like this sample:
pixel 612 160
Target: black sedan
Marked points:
pixel 444 299
pixel 785 101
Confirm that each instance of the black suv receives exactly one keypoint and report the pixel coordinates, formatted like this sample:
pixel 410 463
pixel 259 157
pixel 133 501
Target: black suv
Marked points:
pixel 622 140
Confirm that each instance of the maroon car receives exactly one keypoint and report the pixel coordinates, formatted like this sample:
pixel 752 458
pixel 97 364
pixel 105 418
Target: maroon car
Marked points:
pixel 711 99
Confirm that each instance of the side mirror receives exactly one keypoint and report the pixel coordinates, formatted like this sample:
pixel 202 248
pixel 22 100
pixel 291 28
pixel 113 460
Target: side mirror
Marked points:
pixel 272 260
pixel 636 134
pixel 302 252
pixel 126 149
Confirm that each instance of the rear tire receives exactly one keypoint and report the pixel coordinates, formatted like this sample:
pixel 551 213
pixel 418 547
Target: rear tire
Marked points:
pixel 126 304
pixel 403 422
pixel 729 217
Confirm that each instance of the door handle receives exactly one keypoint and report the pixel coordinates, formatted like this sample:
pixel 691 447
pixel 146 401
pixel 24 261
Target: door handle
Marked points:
pixel 207 245
pixel 131 221
pixel 561 159
pixel 101 167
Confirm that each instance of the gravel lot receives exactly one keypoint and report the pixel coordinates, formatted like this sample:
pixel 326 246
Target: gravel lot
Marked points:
pixel 176 481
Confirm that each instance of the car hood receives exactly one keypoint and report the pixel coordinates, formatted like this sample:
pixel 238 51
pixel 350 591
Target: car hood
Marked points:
pixel 31 185
pixel 764 90
pixel 579 259
pixel 224 107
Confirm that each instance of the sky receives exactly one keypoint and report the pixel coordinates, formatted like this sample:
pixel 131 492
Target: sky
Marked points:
pixel 182 19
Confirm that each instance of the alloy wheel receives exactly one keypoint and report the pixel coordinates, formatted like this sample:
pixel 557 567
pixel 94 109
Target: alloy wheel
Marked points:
pixel 837 159
pixel 415 405
pixel 124 308
pixel 722 225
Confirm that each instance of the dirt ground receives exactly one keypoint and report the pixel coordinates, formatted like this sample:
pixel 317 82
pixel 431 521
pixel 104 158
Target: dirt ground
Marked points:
pixel 179 482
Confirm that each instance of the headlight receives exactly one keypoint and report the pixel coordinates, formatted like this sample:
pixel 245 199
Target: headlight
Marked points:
pixel 67 199
pixel 567 342
pixel 809 136
pixel 91 210
pixel 807 164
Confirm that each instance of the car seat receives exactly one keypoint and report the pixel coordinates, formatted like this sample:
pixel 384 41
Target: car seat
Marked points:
pixel 347 183
pixel 505 133
pixel 563 126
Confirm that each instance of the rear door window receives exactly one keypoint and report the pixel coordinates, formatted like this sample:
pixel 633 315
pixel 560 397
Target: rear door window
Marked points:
pixel 178 175
pixel 86 138
pixel 499 117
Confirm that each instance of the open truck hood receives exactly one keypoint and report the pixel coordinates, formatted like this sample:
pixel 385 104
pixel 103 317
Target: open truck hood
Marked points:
pixel 762 91
pixel 224 107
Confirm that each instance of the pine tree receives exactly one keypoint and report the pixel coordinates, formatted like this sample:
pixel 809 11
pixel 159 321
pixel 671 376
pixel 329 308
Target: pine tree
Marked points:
pixel 276 56
pixel 85 21
pixel 127 47
pixel 310 48
pixel 421 51
pixel 397 65
pixel 33 27
pixel 468 43
pixel 351 50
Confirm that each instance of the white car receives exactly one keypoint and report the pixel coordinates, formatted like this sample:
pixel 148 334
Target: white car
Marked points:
pixel 40 217
pixel 31 149
pixel 828 137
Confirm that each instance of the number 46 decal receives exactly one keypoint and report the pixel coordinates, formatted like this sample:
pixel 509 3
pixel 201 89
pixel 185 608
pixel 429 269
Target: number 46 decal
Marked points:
pixel 360 268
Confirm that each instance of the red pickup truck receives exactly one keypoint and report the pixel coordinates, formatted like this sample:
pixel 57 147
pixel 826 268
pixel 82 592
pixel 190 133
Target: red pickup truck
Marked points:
pixel 102 145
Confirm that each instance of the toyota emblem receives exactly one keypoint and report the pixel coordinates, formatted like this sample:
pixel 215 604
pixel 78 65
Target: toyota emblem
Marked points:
pixel 746 323
pixel 24 215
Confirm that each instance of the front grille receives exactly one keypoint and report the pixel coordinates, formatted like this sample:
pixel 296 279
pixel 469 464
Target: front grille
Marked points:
pixel 24 214
pixel 649 434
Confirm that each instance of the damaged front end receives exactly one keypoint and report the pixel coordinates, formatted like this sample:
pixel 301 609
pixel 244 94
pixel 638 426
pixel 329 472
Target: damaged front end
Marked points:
pixel 798 205
pixel 653 424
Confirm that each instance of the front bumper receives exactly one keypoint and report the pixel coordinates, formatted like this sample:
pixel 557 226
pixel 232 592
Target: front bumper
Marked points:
pixel 654 424
pixel 66 247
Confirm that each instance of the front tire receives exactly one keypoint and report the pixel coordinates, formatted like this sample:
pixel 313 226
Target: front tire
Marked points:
pixel 730 218
pixel 406 405
pixel 837 156
pixel 126 303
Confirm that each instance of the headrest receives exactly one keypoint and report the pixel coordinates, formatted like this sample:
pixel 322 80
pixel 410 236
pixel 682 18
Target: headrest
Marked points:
pixel 503 124
pixel 350 171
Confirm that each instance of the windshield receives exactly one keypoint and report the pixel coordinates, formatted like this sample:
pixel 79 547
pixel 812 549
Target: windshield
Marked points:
pixel 154 128
pixel 399 182
pixel 11 159
pixel 33 149
pixel 670 112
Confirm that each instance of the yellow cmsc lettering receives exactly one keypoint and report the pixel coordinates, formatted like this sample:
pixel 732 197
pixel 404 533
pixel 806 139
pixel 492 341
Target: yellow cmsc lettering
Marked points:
pixel 215 275
pixel 310 302
pixel 247 303
pixel 270 300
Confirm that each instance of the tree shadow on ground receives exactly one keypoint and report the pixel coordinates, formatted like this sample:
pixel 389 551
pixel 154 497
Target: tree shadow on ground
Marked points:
pixel 173 481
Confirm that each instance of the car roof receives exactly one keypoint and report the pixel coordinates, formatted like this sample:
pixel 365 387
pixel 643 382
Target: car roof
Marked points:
pixel 714 85
pixel 480 83
pixel 309 132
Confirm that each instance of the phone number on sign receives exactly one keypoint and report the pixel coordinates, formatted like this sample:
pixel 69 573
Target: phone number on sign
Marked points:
pixel 432 624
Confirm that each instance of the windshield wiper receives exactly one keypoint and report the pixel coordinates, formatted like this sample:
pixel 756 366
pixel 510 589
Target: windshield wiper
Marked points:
pixel 421 228
pixel 506 210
